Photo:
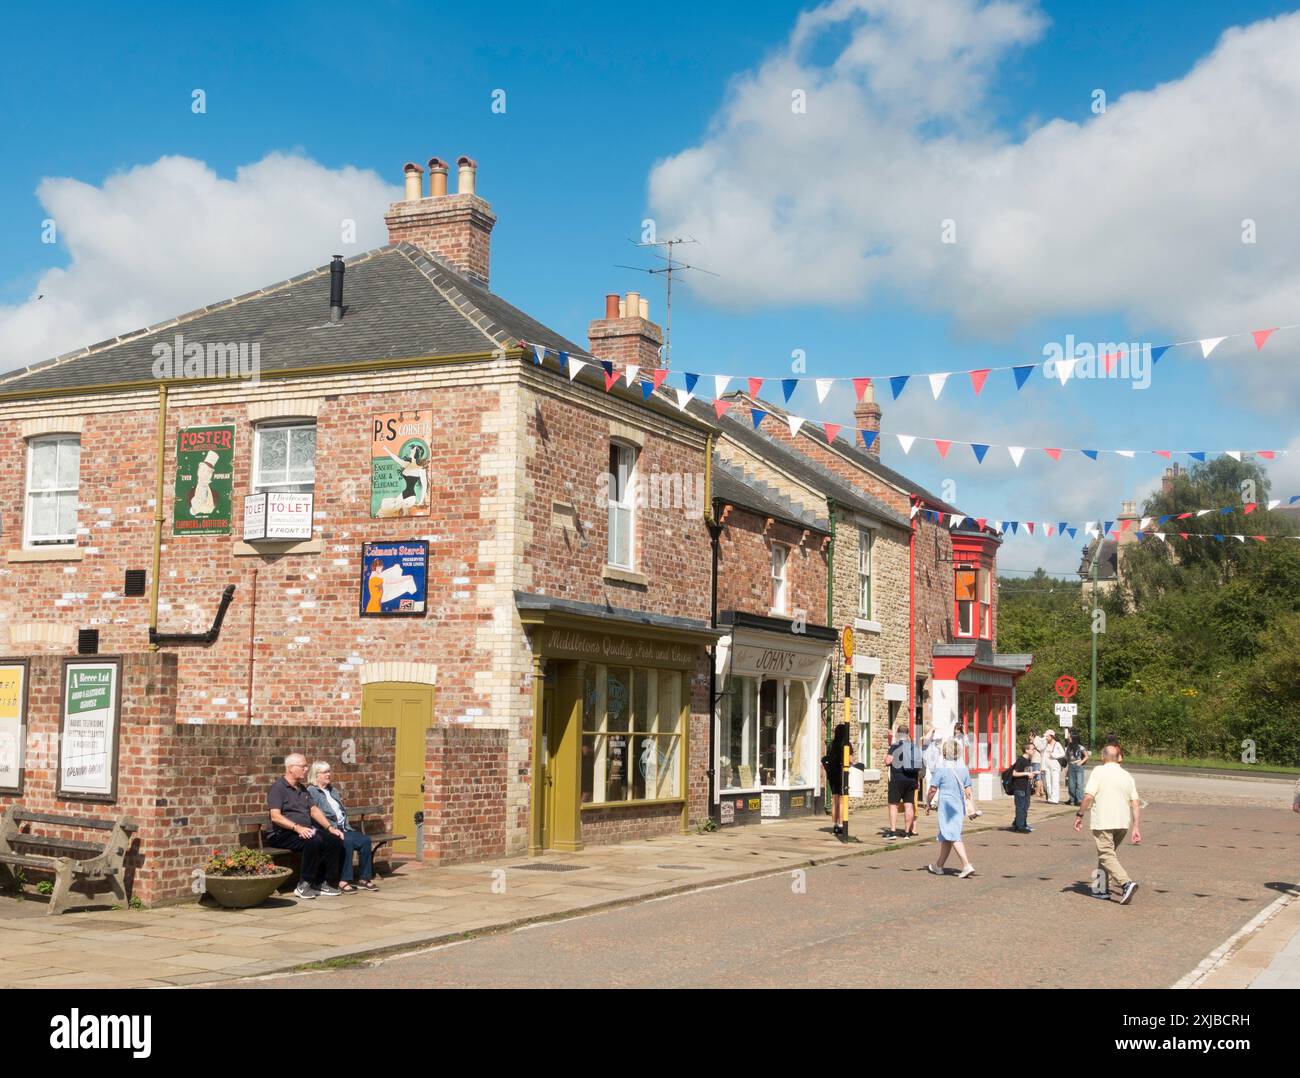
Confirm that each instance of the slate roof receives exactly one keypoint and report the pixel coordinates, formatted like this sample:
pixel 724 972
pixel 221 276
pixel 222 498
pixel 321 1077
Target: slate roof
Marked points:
pixel 399 303
pixel 732 484
pixel 526 600
pixel 1107 566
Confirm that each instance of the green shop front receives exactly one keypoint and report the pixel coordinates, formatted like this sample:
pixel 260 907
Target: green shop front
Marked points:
pixel 612 696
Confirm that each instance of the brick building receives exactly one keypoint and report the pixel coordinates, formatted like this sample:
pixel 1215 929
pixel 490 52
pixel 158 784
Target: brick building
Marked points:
pixel 441 554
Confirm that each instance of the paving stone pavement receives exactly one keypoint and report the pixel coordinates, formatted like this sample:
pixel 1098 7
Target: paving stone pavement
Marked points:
pixel 199 943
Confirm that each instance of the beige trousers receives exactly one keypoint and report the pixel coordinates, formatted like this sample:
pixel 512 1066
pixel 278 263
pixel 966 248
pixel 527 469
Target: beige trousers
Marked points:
pixel 1107 842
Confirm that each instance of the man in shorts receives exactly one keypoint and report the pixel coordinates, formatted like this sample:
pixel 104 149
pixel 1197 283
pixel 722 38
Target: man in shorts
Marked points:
pixel 904 760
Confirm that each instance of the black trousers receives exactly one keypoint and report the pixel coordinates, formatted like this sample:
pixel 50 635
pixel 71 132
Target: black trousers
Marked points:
pixel 322 854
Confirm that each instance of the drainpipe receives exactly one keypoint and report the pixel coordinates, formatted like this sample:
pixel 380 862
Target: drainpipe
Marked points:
pixel 715 534
pixel 911 624
pixel 252 634
pixel 158 515
pixel 829 702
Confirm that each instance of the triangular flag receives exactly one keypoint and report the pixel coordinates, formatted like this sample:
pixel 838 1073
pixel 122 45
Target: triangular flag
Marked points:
pixel 1163 519
pixel 1267 454
pixel 860 387
pixel 1073 532
pixel 1022 374
pixel 788 386
pixel 1110 359
pixel 1157 352
pixel 1260 538
pixel 1197 456
pixel 1219 539
pixel 757 415
pixel 1055 454
pixel 823 387
pixel 795 423
pixel 720 382
pixel 1166 453
pixel 1126 453
pixel 755 385
pixel 1065 368
pixel 647 389
pixel 1108 524
pixel 564 360
pixel 831 430
pixel 1249 507
pixel 1142 524
pixel 683 398
pixel 1182 516
pixel 1240 538
pixel 1060 528
pixel 997 525
pixel 720 407
pixel 943 447
pixel 1090 453
pixel 1209 344
pixel 915 509
pixel 1159 535
pixel 980 522
pixel 936 384
pixel 691 379
pixel 977 380
pixel 1049 530
pixel 1227 510
pixel 1235 454
pixel 1090 528
pixel 611 379
pixel 979 451
pixel 633 369
pixel 1275 503
pixel 1182 535
pixel 905 442
pixel 1123 525
pixel 660 376
pixel 1012 526
pixel 575 367
pixel 1029 525
pixel 1202 512
pixel 1262 335
pixel 539 353
pixel 897 383
pixel 1017 453
pixel 869 437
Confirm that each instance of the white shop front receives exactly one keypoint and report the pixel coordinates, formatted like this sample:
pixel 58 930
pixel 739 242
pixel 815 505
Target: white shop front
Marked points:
pixel 767 723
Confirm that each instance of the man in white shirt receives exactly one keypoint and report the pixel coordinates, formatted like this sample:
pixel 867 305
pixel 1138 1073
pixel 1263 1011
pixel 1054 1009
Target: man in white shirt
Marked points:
pixel 1112 796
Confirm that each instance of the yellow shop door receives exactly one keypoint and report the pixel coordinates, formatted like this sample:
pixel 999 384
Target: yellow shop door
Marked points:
pixel 408 708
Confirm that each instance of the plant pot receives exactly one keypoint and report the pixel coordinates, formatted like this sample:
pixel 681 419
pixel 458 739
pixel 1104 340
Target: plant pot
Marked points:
pixel 243 892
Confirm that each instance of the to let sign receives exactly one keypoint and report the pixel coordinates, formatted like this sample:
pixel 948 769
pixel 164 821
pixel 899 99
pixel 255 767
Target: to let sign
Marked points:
pixel 277 515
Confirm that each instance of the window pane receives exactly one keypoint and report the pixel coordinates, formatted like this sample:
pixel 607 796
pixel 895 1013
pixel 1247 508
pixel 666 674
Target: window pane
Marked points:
pixel 69 463
pixel 984 585
pixel 797 771
pixel 618 697
pixel 767 731
pixel 616 485
pixel 273 454
pixel 44 510
pixel 67 512
pixel 740 741
pixel 642 720
pixel 620 536
pixel 591 745
pixel 44 465
pixel 965 616
pixel 617 787
pixel 302 448
pixel 669 767
pixel 669 703
pixel 965 584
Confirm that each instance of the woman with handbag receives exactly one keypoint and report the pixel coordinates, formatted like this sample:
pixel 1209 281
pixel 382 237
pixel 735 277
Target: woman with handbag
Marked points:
pixel 330 802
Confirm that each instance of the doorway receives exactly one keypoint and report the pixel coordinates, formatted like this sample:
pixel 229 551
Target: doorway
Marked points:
pixel 408 709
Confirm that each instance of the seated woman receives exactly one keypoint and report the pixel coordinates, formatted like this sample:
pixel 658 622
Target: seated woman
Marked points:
pixel 330 802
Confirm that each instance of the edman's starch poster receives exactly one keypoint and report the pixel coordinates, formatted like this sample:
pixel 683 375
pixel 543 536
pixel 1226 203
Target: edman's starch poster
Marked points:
pixel 205 460
pixel 399 464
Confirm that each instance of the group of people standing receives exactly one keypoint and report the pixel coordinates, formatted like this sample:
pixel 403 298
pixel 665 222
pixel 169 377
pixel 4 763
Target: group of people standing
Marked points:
pixel 935 774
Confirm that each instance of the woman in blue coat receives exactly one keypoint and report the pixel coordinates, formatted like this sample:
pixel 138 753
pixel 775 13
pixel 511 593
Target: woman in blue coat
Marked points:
pixel 330 802
pixel 952 790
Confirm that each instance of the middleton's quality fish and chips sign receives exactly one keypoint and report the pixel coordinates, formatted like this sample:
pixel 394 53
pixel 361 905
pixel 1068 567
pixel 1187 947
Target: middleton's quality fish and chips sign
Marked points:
pixel 205 461
pixel 277 515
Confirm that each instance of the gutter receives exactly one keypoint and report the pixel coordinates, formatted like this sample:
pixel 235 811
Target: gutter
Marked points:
pixel 157 639
pixel 158 515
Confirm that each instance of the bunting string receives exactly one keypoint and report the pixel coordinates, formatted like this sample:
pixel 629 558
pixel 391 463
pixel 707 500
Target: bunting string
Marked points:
pixel 1062 370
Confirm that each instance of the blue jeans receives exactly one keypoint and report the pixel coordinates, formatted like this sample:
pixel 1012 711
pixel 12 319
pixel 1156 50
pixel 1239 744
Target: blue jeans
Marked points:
pixel 1022 809
pixel 1074 779
pixel 359 841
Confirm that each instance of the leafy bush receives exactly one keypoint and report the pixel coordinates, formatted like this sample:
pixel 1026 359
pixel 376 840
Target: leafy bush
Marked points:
pixel 240 862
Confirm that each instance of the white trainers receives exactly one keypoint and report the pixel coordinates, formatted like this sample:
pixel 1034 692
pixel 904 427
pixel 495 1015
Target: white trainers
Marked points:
pixel 305 890
pixel 934 871
pixel 329 891
pixel 969 870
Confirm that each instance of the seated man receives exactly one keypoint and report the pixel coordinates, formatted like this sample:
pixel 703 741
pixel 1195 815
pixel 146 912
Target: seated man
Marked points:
pixel 297 824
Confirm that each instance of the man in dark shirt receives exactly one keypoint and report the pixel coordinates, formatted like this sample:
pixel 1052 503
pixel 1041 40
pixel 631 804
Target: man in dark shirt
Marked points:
pixel 904 760
pixel 1021 776
pixel 297 824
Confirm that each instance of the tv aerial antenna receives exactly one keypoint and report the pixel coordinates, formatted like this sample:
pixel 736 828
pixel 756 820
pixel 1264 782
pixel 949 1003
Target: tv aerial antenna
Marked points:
pixel 672 266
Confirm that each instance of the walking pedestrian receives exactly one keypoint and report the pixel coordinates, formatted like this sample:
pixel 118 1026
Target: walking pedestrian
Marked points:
pixel 1022 775
pixel 833 762
pixel 1076 757
pixel 1112 795
pixel 953 792
pixel 1053 754
pixel 904 760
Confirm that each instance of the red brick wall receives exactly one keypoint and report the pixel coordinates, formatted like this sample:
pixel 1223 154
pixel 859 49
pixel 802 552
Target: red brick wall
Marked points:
pixel 468 776
pixel 745 566
pixel 185 784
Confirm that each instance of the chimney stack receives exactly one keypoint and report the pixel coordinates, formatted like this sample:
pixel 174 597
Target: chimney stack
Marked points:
pixel 454 228
pixel 336 288
pixel 867 415
pixel 626 334
pixel 1170 477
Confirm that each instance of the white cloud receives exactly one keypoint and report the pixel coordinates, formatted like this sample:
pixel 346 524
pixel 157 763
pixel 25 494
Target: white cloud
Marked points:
pixel 1138 210
pixel 164 238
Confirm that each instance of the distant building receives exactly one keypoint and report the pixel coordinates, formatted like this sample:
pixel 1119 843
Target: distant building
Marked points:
pixel 1110 568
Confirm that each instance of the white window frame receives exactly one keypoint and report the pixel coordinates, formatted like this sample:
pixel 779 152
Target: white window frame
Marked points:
pixel 865 553
pixel 622 508
pixel 781 579
pixel 865 723
pixel 257 486
pixel 44 542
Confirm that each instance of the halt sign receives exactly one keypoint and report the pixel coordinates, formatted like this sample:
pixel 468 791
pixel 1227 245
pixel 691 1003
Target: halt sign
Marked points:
pixel 1065 713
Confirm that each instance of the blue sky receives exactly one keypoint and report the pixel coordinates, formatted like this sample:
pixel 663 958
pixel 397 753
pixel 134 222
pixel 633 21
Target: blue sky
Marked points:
pixel 598 98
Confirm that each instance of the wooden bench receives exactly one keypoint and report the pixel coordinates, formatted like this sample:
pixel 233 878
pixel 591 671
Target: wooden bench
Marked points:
pixel 256 822
pixel 97 863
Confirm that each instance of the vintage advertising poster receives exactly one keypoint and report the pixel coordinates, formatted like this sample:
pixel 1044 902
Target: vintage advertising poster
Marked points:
pixel 88 730
pixel 399 464
pixel 13 724
pixel 394 578
pixel 205 462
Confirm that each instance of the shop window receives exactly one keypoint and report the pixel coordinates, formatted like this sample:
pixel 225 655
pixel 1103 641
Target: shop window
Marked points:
pixel 739 740
pixel 622 504
pixel 769 729
pixel 797 771
pixel 965 602
pixel 780 583
pixel 986 604
pixel 864 719
pixel 865 536
pixel 53 478
pixel 631 734
pixel 285 458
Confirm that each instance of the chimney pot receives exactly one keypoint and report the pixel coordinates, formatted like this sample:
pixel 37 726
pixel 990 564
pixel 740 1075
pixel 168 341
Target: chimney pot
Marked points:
pixel 867 416
pixel 437 177
pixel 611 305
pixel 633 307
pixel 622 307
pixel 414 181
pixel 336 288
pixel 467 167
pixel 644 309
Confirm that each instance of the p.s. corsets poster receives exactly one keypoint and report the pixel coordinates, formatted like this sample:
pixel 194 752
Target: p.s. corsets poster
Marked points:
pixel 399 464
